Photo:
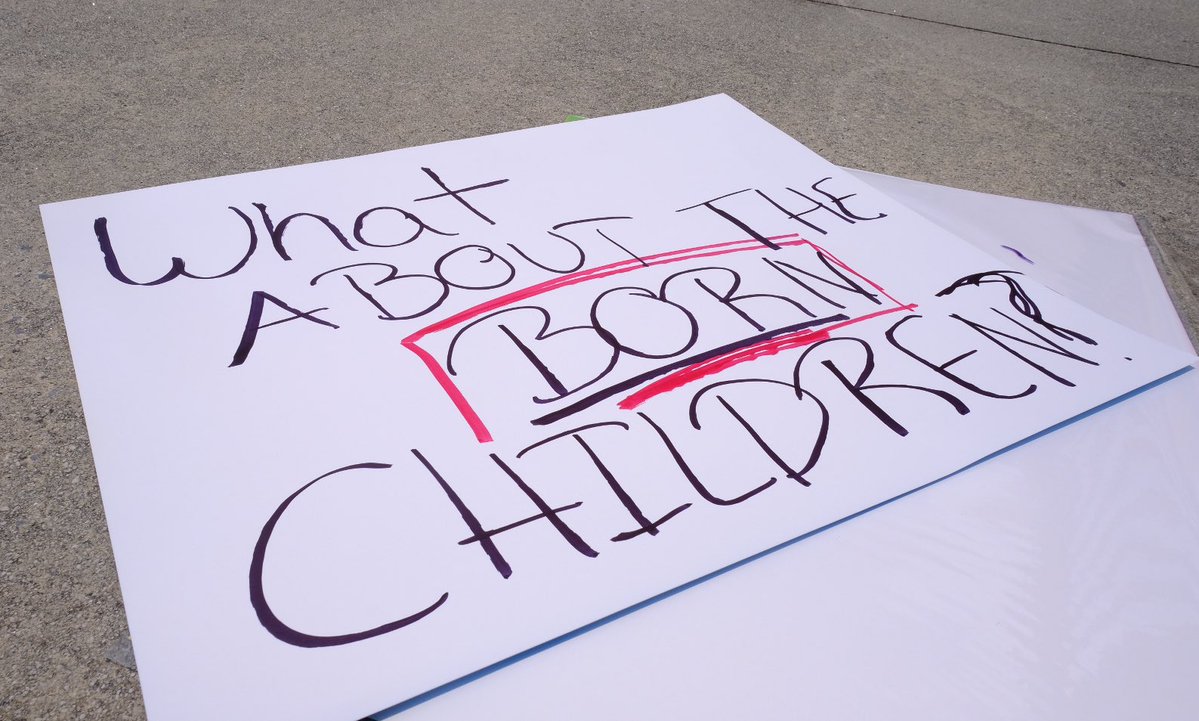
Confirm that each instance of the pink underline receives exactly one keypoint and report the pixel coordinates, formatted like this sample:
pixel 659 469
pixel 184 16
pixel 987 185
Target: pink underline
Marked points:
pixel 770 347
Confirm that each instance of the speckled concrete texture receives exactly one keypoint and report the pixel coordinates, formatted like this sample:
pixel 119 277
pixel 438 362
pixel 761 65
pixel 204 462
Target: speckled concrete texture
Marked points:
pixel 115 95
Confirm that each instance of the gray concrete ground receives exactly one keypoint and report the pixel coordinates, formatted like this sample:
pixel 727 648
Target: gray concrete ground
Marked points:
pixel 114 95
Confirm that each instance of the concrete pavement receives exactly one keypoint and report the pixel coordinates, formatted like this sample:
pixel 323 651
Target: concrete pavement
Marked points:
pixel 1083 103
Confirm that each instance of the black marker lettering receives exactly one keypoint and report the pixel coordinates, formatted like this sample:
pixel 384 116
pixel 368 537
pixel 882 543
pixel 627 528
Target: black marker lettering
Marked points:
pixel 859 390
pixel 178 266
pixel 682 316
pixel 838 200
pixel 709 204
pixel 484 536
pixel 693 479
pixel 1019 299
pixel 729 298
pixel 254 322
pixel 582 257
pixel 601 233
pixel 846 283
pixel 799 216
pixel 1046 345
pixel 286 633
pixel 644 525
pixel 457 194
pixel 276 230
pixel 773 454
pixel 392 275
pixel 421 227
pixel 485 257
pixel 543 333
pixel 942 369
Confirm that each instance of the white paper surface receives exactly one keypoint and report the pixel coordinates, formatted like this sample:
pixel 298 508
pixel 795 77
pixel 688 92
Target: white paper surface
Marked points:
pixel 1059 580
pixel 209 435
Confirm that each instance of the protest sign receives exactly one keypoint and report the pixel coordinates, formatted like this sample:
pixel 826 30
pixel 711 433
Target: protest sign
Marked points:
pixel 364 427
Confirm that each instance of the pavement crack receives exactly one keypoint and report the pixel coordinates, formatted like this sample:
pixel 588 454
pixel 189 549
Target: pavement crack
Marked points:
pixel 1001 33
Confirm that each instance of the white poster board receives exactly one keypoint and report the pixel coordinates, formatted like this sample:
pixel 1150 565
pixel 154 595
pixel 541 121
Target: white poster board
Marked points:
pixel 517 384
pixel 1059 580
pixel 1056 581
